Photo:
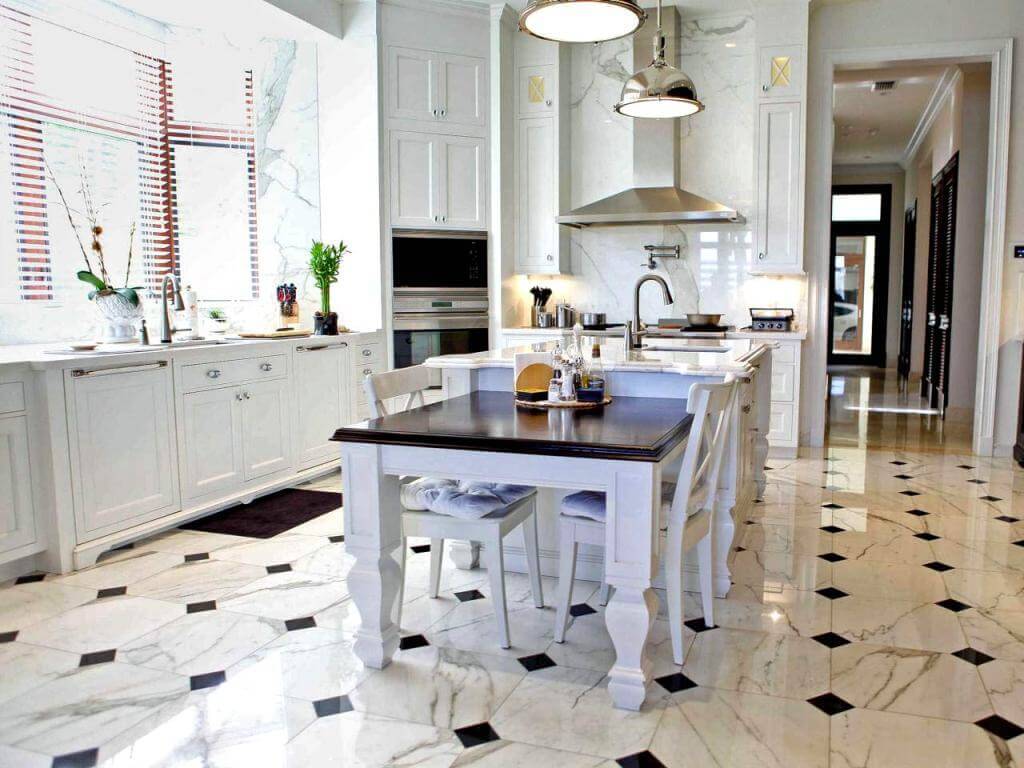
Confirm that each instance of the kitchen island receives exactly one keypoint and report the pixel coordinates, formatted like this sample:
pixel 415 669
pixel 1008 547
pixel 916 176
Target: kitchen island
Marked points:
pixel 477 433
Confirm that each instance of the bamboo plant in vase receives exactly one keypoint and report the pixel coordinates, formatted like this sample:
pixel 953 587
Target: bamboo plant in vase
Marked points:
pixel 324 263
pixel 121 308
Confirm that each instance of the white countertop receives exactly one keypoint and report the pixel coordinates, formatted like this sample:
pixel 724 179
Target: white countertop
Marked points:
pixel 797 335
pixel 700 357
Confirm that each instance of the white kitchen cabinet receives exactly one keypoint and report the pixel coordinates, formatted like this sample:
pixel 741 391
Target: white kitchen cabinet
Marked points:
pixel 266 439
pixel 781 72
pixel 212 441
pixel 438 181
pixel 462 89
pixel 784 431
pixel 412 84
pixel 536 228
pixel 536 90
pixel 779 189
pixel 122 441
pixel 17 514
pixel 322 399
pixel 444 89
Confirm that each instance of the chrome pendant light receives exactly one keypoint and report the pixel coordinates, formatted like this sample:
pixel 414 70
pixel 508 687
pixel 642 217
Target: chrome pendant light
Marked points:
pixel 581 21
pixel 660 90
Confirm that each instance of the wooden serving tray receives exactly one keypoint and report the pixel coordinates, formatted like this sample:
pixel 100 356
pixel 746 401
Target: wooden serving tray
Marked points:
pixel 543 405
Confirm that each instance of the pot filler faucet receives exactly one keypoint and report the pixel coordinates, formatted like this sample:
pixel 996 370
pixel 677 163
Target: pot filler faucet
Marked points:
pixel 633 329
pixel 166 327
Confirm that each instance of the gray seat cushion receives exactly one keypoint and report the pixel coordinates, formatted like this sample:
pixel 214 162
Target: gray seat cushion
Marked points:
pixel 591 504
pixel 470 500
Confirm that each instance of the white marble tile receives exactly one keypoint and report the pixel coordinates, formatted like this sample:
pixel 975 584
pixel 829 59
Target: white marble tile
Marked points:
pixel 704 726
pixel 986 589
pixel 998 633
pixel 23 605
pixel 439 686
pixel 208 641
pixel 781 537
pixel 863 738
pixel 285 548
pixel 758 662
pixel 328 524
pixel 1004 681
pixel 779 570
pixel 359 740
pixel 980 555
pixel 287 595
pixel 892 581
pixel 26 667
pixel 902 549
pixel 512 754
pixel 789 612
pixel 198 581
pixel 588 646
pixel 909 681
pixel 924 626
pixel 570 709
pixel 101 624
pixel 186 542
pixel 87 708
pixel 328 560
pixel 121 569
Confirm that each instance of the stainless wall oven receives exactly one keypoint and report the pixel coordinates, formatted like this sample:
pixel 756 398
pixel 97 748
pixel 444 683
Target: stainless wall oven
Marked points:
pixel 439 299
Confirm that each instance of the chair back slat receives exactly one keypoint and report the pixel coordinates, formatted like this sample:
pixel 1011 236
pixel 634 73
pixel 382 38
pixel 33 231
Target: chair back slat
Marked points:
pixel 403 382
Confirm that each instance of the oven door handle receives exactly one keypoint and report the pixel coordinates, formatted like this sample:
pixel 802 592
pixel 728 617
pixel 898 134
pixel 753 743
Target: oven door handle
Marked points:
pixel 437 321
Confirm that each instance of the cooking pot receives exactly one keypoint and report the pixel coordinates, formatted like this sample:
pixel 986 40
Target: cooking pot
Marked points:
pixel 593 319
pixel 701 319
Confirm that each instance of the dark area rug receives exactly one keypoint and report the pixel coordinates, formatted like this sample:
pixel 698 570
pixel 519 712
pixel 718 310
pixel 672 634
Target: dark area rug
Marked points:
pixel 268 516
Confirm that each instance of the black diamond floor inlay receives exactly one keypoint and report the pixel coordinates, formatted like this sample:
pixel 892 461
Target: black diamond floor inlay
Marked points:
pixel 832 529
pixel 831 505
pixel 831 640
pixel 910 493
pixel 903 477
pixel 469 594
pixel 536 661
pixel 97 657
pixel 1007 519
pixel 279 568
pixel 952 605
pixel 87 758
pixel 8 637
pixel 195 557
pixel 926 536
pixel 935 565
pixel 830 704
pixel 1019 543
pixel 419 549
pixel 30 579
pixel 336 539
pixel 990 497
pixel 916 512
pixel 205 605
pixel 206 680
pixel 898 463
pixel 112 592
pixel 335 705
pixel 581 609
pixel 831 593
pixel 832 557
pixel 1001 727
pixel 975 657
pixel 412 641
pixel 675 682
pixel 964 466
pixel 976 481
pixel 697 625
pixel 643 759
pixel 304 622
pixel 475 735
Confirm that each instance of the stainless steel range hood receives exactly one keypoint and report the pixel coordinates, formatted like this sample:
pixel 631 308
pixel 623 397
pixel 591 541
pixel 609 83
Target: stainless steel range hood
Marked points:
pixel 655 197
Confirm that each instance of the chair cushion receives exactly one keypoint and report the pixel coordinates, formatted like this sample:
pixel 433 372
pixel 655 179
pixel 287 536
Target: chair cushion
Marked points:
pixel 591 504
pixel 468 500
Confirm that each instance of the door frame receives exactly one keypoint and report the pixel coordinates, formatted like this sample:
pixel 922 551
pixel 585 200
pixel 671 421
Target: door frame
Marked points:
pixel 908 256
pixel 880 306
pixel 999 53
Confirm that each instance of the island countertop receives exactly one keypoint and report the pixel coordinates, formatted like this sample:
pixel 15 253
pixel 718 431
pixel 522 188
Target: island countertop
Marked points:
pixel 709 357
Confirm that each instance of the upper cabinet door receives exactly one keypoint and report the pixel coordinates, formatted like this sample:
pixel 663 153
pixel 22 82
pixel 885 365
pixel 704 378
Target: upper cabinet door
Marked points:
pixel 412 84
pixel 781 72
pixel 779 214
pixel 537 91
pixel 463 189
pixel 535 203
pixel 462 89
pixel 17 519
pixel 414 179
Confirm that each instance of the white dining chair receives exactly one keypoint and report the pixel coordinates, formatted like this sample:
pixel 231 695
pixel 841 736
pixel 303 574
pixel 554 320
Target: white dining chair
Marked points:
pixel 687 520
pixel 510 506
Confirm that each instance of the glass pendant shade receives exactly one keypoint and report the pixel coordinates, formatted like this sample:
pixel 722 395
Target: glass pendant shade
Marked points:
pixel 581 21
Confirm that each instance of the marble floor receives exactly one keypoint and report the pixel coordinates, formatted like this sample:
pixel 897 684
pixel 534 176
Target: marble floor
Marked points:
pixel 877 619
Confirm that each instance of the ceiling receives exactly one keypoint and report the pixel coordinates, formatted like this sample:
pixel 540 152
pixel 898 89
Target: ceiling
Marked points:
pixel 873 127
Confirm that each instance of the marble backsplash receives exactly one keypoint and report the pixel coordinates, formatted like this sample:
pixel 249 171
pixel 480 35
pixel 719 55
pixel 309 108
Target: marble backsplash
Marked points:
pixel 717 160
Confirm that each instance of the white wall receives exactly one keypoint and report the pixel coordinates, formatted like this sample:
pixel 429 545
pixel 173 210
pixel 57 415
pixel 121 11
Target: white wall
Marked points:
pixel 862 24
pixel 892 175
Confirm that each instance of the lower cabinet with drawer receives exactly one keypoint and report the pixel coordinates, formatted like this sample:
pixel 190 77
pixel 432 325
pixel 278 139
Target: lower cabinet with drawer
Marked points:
pixel 784 432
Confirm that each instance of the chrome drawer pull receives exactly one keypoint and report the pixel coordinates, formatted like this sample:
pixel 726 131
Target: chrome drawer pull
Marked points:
pixel 213 374
pixel 367 371
pixel 79 372
pixel 266 367
pixel 367 352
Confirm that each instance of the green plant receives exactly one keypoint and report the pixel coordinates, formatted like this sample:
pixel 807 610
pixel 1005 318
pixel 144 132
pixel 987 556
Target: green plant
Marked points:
pixel 324 262
pixel 215 313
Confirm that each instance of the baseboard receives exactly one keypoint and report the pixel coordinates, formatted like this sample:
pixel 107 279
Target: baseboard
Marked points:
pixel 22 567
pixel 782 452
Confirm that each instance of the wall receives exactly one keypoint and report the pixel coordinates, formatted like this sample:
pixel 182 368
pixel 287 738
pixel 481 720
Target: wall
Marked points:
pixel 716 161
pixel 864 24
pixel 894 176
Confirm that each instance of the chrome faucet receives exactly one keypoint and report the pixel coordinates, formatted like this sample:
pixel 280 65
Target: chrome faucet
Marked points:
pixel 166 326
pixel 637 327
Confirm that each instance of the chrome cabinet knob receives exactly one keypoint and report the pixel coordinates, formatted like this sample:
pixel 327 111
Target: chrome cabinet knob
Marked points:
pixel 367 352
pixel 246 395
pixel 443 112
pixel 238 395
pixel 213 373
pixel 367 371
pixel 765 88
pixel 760 256
pixel 266 367
pixel 550 257
pixel 547 102
pixel 435 112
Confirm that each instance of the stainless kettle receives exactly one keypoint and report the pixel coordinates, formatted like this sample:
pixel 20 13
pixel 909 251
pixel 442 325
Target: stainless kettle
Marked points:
pixel 565 315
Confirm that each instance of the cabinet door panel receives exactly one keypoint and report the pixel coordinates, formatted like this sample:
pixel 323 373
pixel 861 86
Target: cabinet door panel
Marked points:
pixel 536 92
pixel 414 181
pixel 17 519
pixel 123 458
pixel 412 84
pixel 322 401
pixel 463 188
pixel 266 446
pixel 213 441
pixel 780 224
pixel 781 72
pixel 462 87
pixel 535 234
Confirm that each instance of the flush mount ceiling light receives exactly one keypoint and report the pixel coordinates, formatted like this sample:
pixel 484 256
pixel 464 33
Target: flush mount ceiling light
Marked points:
pixel 660 90
pixel 581 21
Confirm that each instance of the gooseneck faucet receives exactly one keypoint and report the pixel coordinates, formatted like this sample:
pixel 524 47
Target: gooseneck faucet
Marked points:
pixel 666 294
pixel 166 326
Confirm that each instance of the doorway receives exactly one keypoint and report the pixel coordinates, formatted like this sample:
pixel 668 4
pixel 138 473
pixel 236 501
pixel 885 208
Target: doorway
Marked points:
pixel 859 274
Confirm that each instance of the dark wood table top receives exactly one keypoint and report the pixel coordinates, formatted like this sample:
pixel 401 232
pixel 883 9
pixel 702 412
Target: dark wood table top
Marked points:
pixel 631 428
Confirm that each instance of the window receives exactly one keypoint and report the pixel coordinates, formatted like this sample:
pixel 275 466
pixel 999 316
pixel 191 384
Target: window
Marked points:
pixel 857 207
pixel 166 142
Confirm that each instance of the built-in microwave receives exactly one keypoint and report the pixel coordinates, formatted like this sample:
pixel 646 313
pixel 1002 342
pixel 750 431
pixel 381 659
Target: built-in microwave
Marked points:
pixel 423 259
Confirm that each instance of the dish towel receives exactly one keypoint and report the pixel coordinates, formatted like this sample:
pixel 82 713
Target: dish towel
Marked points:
pixel 469 500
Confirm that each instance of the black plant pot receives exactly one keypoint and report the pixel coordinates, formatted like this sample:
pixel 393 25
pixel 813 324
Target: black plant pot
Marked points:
pixel 325 325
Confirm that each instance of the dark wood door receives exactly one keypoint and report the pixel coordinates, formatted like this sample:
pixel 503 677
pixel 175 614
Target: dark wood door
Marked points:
pixel 907 299
pixel 941 246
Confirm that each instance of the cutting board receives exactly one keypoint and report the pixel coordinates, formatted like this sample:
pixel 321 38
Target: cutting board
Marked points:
pixel 289 333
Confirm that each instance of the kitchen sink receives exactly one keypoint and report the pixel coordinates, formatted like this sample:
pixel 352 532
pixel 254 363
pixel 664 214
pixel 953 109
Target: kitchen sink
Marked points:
pixel 683 348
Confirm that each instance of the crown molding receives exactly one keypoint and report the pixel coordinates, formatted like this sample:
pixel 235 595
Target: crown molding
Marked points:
pixel 950 77
pixel 465 8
